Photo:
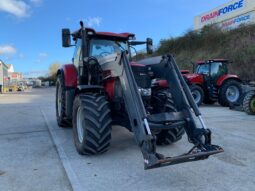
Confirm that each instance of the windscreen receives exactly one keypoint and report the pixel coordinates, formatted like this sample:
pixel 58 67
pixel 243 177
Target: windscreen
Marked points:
pixel 100 47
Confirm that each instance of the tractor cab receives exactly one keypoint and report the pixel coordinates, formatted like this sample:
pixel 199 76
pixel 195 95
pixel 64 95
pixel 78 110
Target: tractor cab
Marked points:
pixel 212 69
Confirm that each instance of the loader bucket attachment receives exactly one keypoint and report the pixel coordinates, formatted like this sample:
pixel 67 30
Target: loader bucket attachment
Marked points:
pixel 193 155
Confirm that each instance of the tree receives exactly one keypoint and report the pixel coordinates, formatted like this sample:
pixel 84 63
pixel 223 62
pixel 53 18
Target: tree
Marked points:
pixel 53 68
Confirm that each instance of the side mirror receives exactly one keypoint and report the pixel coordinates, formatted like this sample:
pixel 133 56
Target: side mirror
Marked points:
pixel 66 38
pixel 149 46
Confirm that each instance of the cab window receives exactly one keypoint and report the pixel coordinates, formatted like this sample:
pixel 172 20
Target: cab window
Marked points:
pixel 101 47
pixel 77 53
pixel 202 69
pixel 217 68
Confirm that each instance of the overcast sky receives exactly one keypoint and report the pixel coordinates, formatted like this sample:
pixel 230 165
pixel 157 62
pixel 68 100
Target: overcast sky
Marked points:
pixel 30 30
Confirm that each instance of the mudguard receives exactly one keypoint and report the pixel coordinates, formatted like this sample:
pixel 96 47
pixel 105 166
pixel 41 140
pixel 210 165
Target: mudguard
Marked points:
pixel 69 73
pixel 225 77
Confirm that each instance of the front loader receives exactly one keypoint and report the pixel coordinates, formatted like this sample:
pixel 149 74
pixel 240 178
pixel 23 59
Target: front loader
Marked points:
pixel 150 98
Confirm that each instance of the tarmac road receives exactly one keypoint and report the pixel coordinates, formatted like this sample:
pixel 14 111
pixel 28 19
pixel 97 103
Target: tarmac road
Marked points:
pixel 35 154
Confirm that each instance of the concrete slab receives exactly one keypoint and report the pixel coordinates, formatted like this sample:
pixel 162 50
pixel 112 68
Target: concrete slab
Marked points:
pixel 121 168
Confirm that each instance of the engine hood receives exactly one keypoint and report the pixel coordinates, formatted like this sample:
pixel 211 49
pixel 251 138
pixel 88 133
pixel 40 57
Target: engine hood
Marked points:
pixel 194 78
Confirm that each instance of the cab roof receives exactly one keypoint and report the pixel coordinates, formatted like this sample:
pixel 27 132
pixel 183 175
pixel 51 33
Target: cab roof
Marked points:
pixel 92 32
pixel 212 60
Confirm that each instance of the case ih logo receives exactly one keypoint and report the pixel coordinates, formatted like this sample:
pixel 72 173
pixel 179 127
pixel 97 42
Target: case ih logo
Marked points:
pixel 223 11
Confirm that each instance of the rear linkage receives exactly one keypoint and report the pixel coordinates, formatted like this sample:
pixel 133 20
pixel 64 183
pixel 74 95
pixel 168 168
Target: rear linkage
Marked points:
pixel 140 121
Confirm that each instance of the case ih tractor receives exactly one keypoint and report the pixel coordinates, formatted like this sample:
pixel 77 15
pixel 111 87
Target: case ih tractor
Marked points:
pixel 211 82
pixel 150 98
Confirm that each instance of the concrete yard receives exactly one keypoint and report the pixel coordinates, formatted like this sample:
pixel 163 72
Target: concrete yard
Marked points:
pixel 35 154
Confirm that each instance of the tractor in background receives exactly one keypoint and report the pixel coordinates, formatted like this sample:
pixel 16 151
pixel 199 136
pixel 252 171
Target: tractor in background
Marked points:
pixel 210 82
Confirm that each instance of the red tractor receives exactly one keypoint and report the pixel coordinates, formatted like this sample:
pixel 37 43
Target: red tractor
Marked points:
pixel 150 98
pixel 211 82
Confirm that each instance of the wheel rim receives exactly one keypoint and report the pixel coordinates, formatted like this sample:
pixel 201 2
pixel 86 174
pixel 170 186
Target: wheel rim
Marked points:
pixel 79 120
pixel 196 95
pixel 232 94
pixel 59 100
pixel 253 104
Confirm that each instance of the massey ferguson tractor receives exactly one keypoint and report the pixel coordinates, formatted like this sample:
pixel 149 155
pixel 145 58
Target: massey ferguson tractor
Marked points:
pixel 211 82
pixel 150 98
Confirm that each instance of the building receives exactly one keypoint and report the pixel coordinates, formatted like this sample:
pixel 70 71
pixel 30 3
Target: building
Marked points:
pixel 10 68
pixel 3 75
pixel 15 76
pixel 228 16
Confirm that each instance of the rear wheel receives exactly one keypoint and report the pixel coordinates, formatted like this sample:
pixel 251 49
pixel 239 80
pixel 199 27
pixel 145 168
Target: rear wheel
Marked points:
pixel 60 103
pixel 230 92
pixel 163 103
pixel 198 94
pixel 91 124
pixel 249 103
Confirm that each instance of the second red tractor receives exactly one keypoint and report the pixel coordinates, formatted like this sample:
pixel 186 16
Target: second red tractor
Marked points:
pixel 210 82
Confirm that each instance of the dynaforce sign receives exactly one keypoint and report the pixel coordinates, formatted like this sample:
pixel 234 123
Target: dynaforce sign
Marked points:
pixel 223 11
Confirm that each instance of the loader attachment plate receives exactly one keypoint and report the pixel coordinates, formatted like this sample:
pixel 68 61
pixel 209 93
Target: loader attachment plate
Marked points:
pixel 193 155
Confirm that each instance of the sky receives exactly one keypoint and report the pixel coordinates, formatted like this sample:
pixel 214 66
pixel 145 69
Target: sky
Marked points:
pixel 30 30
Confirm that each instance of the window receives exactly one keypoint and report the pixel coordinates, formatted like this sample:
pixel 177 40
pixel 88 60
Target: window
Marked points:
pixel 217 68
pixel 101 48
pixel 202 69
pixel 77 53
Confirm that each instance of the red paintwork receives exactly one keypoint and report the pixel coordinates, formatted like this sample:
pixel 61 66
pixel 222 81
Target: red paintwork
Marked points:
pixel 226 77
pixel 109 88
pixel 118 35
pixel 70 74
pixel 162 83
pixel 195 78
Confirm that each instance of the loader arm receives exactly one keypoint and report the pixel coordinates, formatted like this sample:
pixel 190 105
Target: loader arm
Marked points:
pixel 120 69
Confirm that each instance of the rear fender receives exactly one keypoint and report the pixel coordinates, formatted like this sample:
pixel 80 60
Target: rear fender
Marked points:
pixel 226 77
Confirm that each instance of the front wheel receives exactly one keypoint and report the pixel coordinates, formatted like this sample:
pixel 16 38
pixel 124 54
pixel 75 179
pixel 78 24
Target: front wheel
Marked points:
pixel 198 94
pixel 91 124
pixel 163 102
pixel 230 92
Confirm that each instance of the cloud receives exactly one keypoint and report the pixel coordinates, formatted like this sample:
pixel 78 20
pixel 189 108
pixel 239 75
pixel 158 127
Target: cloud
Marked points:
pixel 93 21
pixel 7 50
pixel 15 7
pixel 41 57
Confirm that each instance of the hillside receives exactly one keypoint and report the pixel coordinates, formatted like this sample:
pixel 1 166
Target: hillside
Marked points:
pixel 237 45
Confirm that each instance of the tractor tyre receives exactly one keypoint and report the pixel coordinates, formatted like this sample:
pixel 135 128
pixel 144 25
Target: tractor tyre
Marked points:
pixel 249 103
pixel 230 92
pixel 61 103
pixel 197 93
pixel 91 124
pixel 164 103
